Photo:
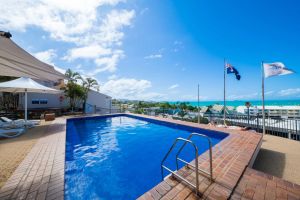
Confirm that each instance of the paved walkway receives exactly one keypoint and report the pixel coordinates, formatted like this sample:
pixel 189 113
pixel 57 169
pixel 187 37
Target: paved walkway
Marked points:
pixel 279 157
pixel 14 150
pixel 258 185
pixel 41 174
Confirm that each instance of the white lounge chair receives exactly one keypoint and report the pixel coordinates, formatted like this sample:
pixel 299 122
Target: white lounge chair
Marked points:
pixel 10 125
pixel 21 122
pixel 10 133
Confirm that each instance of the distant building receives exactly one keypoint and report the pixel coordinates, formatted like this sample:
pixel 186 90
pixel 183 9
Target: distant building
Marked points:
pixel 205 111
pixel 219 109
pixel 272 111
pixel 216 110
pixel 152 110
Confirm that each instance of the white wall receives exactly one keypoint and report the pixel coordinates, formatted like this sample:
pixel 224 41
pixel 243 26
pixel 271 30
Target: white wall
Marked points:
pixel 53 100
pixel 101 101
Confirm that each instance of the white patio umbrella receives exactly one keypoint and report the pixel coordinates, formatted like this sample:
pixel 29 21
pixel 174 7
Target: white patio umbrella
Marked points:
pixel 26 85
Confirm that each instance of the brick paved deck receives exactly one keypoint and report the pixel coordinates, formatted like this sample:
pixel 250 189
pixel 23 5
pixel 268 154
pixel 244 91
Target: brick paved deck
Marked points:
pixel 258 185
pixel 41 173
pixel 233 179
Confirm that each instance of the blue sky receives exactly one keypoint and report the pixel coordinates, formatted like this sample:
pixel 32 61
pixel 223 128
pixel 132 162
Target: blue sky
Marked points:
pixel 161 50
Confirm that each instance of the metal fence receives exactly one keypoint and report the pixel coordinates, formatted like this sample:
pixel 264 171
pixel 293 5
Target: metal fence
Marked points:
pixel 93 109
pixel 277 126
pixel 283 127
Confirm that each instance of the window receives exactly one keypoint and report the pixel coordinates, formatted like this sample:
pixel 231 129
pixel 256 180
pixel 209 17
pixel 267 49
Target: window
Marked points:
pixel 39 101
pixel 35 101
pixel 43 101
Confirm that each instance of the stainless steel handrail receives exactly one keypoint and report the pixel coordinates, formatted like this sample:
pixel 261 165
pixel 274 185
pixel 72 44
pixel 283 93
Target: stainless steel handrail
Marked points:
pixel 177 175
pixel 210 155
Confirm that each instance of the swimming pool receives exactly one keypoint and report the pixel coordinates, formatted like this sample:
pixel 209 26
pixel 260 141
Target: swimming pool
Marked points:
pixel 119 157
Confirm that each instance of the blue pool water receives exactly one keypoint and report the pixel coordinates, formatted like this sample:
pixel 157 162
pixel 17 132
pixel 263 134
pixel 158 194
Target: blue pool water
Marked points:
pixel 119 157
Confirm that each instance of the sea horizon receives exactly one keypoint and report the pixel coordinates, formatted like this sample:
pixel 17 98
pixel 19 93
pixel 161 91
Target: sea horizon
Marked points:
pixel 236 103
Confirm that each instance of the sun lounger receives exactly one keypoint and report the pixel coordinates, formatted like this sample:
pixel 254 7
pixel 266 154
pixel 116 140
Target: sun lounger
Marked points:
pixel 10 125
pixel 10 133
pixel 21 122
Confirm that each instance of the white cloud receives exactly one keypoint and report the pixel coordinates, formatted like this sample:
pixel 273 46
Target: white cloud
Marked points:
pixel 153 56
pixel 108 63
pixel 143 11
pixel 112 77
pixel 269 92
pixel 96 32
pixel 189 97
pixel 62 19
pixel 46 56
pixel 177 46
pixel 173 86
pixel 243 96
pixel 129 88
pixel 92 51
pixel 61 70
pixel 289 92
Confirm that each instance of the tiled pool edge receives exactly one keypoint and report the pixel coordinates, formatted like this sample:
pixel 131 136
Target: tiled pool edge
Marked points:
pixel 41 174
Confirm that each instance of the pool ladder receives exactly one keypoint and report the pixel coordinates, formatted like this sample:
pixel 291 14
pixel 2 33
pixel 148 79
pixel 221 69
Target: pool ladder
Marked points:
pixel 196 167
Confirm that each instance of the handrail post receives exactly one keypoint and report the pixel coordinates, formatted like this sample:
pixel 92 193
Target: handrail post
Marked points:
pixel 210 160
pixel 188 164
pixel 196 161
pixel 197 173
pixel 210 151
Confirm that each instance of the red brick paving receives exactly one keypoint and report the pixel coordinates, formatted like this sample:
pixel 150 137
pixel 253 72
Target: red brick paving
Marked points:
pixel 231 158
pixel 41 174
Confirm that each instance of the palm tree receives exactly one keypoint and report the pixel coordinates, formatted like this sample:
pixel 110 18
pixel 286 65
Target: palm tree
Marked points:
pixel 88 84
pixel 72 90
pixel 72 76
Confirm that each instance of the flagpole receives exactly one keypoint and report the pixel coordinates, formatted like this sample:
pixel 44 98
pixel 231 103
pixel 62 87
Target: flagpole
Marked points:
pixel 224 92
pixel 198 107
pixel 263 95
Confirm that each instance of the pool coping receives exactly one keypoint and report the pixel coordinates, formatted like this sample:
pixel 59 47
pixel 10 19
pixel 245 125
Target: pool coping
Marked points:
pixel 41 174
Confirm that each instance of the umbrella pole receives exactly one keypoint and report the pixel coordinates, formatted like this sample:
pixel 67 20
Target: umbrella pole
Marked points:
pixel 25 106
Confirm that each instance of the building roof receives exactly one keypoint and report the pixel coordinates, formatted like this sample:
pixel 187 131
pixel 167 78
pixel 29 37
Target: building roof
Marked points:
pixel 220 108
pixel 204 109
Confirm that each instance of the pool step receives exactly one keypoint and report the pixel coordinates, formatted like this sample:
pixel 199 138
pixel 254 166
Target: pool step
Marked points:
pixel 195 167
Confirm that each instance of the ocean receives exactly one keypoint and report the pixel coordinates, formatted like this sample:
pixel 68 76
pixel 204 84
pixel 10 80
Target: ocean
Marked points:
pixel 241 103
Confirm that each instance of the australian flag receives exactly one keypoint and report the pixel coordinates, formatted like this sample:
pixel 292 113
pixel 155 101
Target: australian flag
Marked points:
pixel 231 69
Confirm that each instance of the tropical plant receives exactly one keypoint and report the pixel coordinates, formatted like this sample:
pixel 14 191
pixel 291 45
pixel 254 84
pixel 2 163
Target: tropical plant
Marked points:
pixel 75 93
pixel 72 76
pixel 183 106
pixel 182 113
pixel 164 106
pixel 88 84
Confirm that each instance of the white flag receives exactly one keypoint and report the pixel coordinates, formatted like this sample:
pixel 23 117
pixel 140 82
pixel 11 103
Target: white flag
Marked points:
pixel 275 69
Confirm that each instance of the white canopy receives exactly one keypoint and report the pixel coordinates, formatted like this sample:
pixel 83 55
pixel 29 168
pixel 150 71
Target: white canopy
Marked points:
pixel 25 84
pixel 16 62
